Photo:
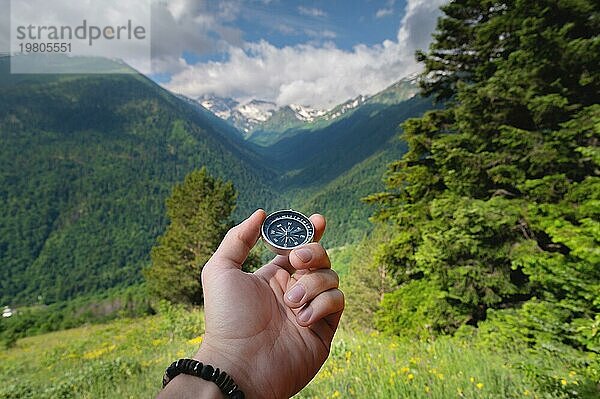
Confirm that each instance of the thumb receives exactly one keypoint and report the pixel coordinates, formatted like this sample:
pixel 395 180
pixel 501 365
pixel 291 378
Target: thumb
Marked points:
pixel 237 243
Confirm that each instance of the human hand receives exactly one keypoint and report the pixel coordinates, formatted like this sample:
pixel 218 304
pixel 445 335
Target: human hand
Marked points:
pixel 271 330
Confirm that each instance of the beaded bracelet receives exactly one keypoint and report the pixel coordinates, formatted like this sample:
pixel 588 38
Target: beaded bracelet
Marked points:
pixel 206 372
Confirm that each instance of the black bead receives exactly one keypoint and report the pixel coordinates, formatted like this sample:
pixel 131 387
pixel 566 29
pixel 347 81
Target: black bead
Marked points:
pixel 225 384
pixel 237 395
pixel 171 372
pixel 207 372
pixel 232 387
pixel 197 368
pixel 219 380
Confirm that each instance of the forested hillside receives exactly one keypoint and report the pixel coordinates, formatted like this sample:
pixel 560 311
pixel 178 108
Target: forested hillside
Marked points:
pixel 86 163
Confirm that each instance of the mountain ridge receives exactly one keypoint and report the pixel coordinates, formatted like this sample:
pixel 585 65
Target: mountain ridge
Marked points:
pixel 265 123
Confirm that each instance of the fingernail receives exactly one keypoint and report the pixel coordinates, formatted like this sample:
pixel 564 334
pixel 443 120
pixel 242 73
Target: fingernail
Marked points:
pixel 305 314
pixel 304 254
pixel 296 293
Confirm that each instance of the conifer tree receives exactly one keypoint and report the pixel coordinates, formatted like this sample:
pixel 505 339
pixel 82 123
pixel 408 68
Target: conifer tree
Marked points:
pixel 199 212
pixel 496 202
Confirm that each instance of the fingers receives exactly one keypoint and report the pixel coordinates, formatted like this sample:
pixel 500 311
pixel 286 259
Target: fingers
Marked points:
pixel 317 295
pixel 319 222
pixel 309 256
pixel 238 242
pixel 324 305
pixel 309 286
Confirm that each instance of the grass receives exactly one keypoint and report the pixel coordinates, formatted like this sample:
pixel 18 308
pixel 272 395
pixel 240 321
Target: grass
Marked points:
pixel 126 359
pixel 375 366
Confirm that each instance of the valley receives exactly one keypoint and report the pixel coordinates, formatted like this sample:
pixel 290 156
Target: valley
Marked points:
pixel 87 162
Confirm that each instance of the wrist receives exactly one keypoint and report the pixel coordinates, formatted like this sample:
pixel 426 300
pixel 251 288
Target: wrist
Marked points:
pixel 231 364
pixel 190 387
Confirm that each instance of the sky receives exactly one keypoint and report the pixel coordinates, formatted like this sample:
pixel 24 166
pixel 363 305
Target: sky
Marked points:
pixel 313 53
pixel 316 53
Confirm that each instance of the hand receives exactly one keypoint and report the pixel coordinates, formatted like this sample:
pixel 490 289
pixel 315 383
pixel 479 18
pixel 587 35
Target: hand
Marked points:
pixel 270 330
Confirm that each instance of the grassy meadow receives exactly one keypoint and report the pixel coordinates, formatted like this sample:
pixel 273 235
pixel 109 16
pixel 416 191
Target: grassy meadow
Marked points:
pixel 126 358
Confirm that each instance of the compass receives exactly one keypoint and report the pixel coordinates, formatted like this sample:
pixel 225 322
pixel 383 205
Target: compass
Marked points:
pixel 285 230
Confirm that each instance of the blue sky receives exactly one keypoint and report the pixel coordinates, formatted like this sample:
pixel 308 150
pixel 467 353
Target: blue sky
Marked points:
pixel 345 23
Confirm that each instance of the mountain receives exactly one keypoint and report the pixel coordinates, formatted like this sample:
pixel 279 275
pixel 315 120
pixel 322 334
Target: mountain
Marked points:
pixel 258 114
pixel 86 163
pixel 329 165
pixel 321 151
pixel 271 132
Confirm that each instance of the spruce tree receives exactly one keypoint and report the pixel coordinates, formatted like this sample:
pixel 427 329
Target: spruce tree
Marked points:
pixel 199 212
pixel 495 204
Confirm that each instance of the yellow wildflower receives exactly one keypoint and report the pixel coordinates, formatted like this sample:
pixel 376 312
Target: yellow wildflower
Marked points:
pixel 98 352
pixel 410 376
pixel 479 385
pixel 563 381
pixel 348 356
pixel 472 379
pixel 195 341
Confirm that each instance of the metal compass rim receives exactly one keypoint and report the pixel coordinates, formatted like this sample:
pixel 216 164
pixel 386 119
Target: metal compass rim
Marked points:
pixel 304 220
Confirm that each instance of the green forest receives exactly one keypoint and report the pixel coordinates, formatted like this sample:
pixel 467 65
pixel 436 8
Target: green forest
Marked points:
pixel 471 266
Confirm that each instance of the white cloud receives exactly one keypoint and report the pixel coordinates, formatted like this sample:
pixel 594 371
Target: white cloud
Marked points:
pixel 192 26
pixel 418 23
pixel 311 11
pixel 384 12
pixel 311 74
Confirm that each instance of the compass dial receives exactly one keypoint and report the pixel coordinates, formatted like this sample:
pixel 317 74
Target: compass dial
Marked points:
pixel 283 231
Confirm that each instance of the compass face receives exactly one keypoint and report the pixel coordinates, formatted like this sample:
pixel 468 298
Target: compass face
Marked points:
pixel 286 230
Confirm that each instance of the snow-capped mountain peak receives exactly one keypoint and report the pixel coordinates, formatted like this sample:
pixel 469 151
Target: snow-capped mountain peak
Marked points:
pixel 265 116
pixel 306 114
pixel 222 107
pixel 257 110
pixel 345 107
pixel 254 114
